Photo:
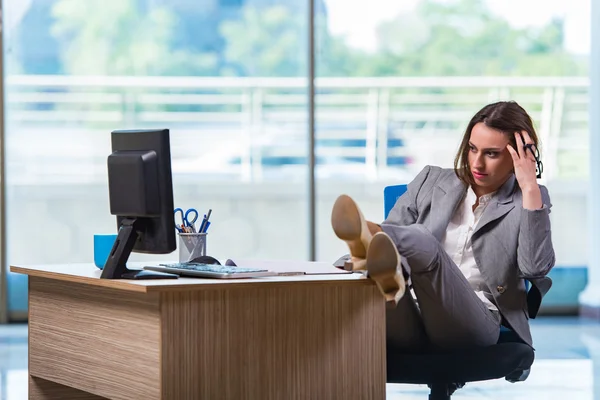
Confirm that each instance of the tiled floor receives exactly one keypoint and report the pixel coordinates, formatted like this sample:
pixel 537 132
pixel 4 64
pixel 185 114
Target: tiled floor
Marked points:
pixel 567 366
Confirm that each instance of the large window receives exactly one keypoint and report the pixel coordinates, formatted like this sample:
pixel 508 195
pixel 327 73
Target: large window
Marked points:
pixel 399 81
pixel 227 77
pixel 396 84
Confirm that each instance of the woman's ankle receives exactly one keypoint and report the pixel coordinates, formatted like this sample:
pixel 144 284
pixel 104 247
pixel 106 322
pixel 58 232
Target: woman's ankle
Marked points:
pixel 374 228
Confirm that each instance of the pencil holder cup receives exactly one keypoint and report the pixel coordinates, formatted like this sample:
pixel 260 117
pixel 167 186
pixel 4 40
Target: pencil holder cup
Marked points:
pixel 191 245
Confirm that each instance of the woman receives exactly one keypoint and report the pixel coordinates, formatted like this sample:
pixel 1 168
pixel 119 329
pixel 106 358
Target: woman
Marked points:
pixel 465 238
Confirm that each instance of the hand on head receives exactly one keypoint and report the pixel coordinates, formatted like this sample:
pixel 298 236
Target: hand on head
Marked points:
pixel 524 160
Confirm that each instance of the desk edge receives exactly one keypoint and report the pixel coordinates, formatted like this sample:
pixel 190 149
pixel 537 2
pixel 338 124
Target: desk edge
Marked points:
pixel 176 287
pixel 110 283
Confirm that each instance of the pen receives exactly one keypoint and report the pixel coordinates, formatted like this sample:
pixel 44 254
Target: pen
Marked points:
pixel 203 226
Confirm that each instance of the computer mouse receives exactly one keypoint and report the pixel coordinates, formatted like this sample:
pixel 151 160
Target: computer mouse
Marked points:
pixel 205 260
pixel 230 263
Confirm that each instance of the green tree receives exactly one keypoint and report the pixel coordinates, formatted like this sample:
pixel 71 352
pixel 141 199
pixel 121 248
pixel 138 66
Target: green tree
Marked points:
pixel 273 41
pixel 265 42
pixel 458 38
pixel 119 38
pixel 464 38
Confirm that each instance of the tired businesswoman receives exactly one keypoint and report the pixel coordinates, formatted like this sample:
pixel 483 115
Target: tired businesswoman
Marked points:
pixel 464 239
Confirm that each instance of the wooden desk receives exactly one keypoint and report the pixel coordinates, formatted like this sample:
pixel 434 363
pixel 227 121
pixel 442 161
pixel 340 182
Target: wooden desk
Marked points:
pixel 294 337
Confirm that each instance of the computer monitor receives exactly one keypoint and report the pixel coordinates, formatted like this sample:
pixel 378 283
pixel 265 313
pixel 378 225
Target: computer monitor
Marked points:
pixel 141 196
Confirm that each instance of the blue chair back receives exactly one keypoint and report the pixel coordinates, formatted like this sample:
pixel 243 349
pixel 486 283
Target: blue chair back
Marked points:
pixel 390 196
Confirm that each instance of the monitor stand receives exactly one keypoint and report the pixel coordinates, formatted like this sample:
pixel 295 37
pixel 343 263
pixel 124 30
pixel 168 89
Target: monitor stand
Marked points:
pixel 116 268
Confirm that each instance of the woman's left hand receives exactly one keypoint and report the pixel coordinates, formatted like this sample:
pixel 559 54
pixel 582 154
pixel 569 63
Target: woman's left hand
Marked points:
pixel 523 161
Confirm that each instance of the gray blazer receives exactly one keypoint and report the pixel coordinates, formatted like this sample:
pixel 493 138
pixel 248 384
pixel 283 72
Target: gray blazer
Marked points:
pixel 510 244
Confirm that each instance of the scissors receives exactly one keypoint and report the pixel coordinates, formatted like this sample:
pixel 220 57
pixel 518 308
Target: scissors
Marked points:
pixel 187 223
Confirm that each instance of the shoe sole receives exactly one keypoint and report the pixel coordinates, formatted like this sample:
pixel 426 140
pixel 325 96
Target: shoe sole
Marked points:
pixel 349 225
pixel 383 266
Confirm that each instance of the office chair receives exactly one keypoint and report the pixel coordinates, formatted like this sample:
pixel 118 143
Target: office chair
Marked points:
pixel 445 372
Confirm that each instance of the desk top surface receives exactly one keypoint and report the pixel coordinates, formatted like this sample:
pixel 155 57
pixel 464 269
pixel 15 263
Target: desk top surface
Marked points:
pixel 87 273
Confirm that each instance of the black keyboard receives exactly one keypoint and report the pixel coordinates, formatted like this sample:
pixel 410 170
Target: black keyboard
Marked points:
pixel 211 270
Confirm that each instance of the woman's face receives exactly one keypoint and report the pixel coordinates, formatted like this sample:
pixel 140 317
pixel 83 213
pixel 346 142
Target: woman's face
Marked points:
pixel 489 159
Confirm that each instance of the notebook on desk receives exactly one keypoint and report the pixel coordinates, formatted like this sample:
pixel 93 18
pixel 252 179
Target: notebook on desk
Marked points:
pixel 292 267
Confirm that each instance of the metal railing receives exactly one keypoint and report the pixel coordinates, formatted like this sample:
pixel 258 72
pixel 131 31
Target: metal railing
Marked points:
pixel 255 129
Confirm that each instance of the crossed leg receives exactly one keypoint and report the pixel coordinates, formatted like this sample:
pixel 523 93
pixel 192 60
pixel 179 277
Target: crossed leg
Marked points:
pixel 447 313
pixel 451 313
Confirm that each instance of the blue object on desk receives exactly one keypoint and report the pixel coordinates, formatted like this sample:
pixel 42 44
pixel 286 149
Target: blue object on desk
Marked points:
pixel 103 245
pixel 205 223
pixel 185 219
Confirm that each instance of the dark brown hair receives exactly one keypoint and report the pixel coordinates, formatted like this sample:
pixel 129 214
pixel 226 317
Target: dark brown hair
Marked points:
pixel 505 116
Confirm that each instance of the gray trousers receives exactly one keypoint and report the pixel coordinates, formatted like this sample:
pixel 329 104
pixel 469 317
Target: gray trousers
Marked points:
pixel 449 314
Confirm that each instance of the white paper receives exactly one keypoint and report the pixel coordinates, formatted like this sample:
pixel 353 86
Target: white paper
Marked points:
pixel 291 267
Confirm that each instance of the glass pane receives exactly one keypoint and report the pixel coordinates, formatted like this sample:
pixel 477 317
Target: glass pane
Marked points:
pixel 398 84
pixel 228 80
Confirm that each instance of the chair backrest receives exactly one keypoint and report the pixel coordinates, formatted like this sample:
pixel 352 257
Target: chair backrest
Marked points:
pixel 390 196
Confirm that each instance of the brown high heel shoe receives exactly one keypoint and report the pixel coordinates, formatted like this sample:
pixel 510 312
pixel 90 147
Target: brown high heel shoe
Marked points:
pixel 384 267
pixel 350 225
